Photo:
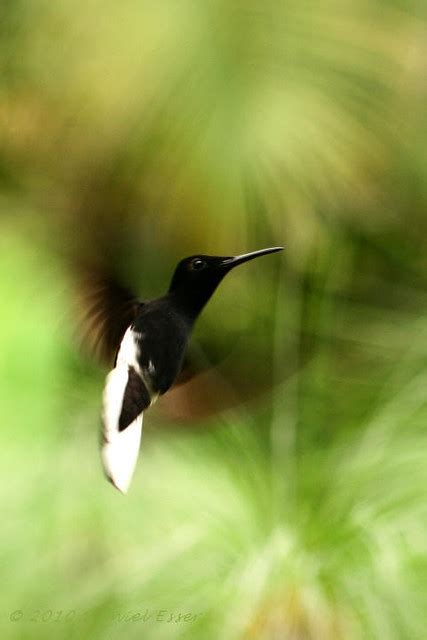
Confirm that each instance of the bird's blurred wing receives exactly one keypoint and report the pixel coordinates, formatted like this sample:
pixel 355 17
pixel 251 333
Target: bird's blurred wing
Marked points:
pixel 106 309
pixel 199 357
pixel 214 378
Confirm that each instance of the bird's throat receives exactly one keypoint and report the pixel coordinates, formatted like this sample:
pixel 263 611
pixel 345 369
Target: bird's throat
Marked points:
pixel 189 302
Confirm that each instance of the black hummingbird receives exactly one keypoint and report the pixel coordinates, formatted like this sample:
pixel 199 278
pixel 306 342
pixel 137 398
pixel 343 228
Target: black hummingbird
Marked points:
pixel 150 341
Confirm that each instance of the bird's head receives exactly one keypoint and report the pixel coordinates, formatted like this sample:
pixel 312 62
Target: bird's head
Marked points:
pixel 196 277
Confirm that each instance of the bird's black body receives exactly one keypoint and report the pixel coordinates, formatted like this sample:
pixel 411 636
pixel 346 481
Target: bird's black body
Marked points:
pixel 161 335
pixel 150 339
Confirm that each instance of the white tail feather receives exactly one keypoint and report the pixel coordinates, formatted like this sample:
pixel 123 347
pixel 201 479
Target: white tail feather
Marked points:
pixel 120 449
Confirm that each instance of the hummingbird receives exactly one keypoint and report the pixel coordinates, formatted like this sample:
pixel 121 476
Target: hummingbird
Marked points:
pixel 150 339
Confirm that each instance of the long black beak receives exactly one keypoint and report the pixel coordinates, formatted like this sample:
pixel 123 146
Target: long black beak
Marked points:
pixel 229 263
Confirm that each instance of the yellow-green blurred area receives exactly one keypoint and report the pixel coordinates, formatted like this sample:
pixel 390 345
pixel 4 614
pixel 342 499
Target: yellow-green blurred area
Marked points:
pixel 146 131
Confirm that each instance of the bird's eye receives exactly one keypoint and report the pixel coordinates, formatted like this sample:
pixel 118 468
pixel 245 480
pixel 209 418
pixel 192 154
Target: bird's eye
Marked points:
pixel 197 264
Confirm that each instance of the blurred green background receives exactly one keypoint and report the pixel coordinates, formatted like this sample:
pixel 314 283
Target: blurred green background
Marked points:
pixel 147 131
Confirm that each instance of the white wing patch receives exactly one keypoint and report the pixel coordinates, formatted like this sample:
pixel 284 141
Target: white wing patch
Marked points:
pixel 120 449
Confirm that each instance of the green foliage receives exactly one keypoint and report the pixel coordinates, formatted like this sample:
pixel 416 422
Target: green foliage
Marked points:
pixel 150 130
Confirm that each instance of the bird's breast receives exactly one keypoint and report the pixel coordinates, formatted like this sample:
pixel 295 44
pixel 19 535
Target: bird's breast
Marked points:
pixel 160 351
